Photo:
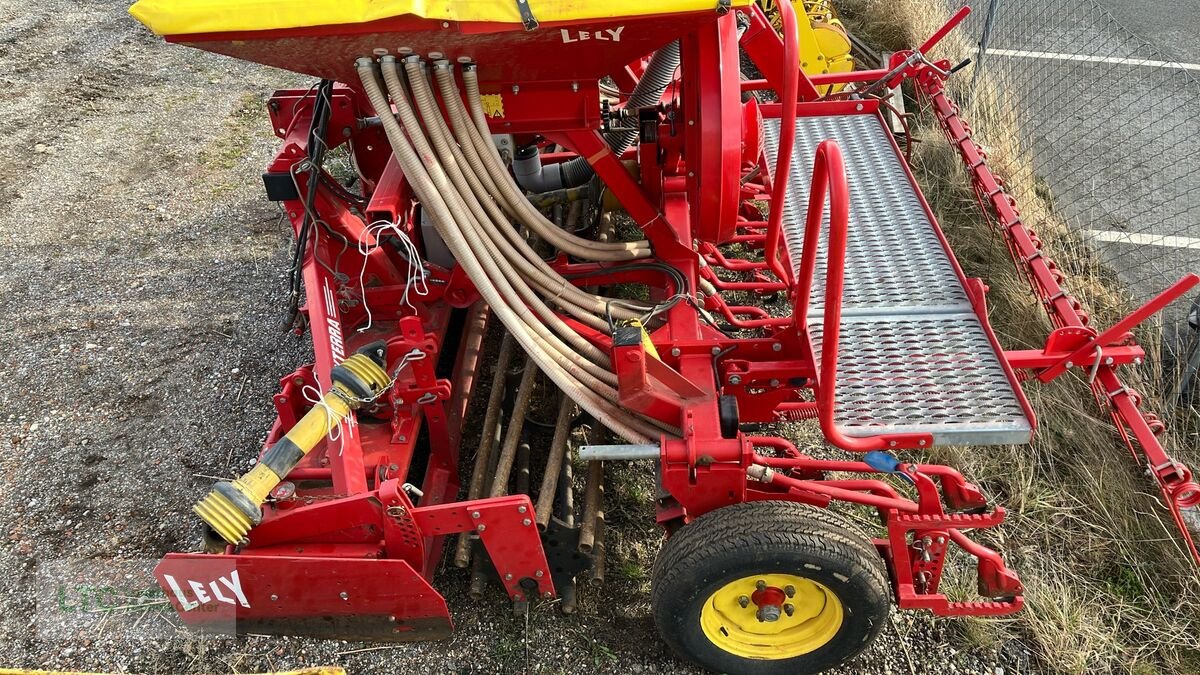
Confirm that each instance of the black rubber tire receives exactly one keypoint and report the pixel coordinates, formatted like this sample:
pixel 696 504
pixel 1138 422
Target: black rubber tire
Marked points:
pixel 727 409
pixel 760 538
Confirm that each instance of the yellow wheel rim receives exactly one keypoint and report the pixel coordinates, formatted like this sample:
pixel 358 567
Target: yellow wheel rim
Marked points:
pixel 815 617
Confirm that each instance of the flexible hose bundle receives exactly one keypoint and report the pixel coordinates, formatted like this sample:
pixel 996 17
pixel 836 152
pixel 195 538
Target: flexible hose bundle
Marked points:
pixel 458 189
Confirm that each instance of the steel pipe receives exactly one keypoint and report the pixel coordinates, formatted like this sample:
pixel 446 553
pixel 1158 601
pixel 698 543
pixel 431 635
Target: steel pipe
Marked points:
pixel 619 453
pixel 554 463
pixel 512 435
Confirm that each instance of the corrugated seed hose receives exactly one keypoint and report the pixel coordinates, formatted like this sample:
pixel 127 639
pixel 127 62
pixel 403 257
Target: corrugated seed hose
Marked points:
pixel 493 261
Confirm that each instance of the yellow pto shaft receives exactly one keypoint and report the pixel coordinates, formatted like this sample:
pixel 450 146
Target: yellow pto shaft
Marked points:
pixel 233 507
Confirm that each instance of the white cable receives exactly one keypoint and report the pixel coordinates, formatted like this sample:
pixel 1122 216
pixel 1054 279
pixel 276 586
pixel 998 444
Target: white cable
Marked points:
pixel 334 431
pixel 416 279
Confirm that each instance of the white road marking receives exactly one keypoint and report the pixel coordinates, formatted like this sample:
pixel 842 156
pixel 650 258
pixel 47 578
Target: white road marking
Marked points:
pixel 1092 59
pixel 1166 240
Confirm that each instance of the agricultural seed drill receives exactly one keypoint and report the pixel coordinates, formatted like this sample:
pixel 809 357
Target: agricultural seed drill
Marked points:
pixel 784 268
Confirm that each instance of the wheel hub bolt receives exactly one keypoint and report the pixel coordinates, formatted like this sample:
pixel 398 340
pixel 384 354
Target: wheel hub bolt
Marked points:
pixel 789 610
pixel 768 613
pixel 789 591
pixel 744 601
pixel 761 585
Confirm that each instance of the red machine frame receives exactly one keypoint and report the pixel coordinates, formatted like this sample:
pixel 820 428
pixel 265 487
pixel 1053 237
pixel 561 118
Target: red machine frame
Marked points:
pixel 351 523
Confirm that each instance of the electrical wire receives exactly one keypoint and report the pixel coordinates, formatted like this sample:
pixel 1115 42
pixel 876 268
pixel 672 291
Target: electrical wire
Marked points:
pixel 322 107
pixel 415 278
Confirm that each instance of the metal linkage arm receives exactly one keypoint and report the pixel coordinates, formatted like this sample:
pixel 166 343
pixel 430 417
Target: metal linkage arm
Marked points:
pixel 919 532
pixel 1120 328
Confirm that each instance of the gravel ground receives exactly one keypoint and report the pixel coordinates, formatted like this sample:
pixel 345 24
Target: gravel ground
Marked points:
pixel 142 340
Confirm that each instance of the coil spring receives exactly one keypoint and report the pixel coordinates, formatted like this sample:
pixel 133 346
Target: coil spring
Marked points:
pixel 796 414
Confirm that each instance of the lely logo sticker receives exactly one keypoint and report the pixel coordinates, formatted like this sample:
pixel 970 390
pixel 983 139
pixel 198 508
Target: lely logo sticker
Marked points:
pixel 223 589
pixel 605 35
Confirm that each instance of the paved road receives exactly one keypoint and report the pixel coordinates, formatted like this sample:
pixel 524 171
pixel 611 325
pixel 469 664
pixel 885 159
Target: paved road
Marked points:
pixel 1171 26
pixel 1117 143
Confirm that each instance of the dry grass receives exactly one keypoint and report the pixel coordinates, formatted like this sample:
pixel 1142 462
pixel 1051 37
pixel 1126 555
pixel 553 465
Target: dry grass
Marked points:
pixel 1110 588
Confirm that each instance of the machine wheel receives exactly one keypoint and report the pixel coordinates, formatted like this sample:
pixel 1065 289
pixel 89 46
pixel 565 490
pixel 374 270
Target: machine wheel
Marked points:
pixel 769 587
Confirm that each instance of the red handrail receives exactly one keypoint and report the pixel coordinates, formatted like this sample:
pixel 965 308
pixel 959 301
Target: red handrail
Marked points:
pixel 829 179
pixel 828 163
pixel 787 136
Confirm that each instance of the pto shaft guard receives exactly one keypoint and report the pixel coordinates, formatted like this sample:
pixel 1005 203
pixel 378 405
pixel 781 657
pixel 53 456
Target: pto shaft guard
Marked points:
pixel 232 508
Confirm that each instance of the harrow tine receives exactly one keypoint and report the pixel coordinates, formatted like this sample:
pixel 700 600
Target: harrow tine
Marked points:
pixel 568 596
pixel 479 577
pixel 554 463
pixel 488 439
pixel 593 513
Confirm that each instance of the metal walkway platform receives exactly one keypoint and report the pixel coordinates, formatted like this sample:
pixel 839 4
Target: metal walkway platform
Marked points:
pixel 914 356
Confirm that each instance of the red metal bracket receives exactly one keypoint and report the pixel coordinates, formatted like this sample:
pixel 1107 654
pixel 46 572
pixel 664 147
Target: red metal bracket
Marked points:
pixel 505 524
pixel 382 600
pixel 1119 332
pixel 919 533
pixel 648 385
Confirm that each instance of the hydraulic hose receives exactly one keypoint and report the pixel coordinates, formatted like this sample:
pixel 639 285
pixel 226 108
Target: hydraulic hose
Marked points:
pixel 432 187
pixel 648 91
pixel 233 507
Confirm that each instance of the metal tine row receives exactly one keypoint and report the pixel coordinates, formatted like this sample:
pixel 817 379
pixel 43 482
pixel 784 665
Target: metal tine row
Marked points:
pixel 504 456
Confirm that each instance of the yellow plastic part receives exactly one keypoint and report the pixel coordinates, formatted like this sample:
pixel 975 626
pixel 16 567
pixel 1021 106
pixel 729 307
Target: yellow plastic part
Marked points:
pixel 224 517
pixel 316 423
pixel 824 45
pixel 815 620
pixel 189 17
pixel 321 670
pixel 647 344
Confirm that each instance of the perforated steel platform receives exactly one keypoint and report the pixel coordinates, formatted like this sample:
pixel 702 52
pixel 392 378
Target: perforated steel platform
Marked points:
pixel 913 355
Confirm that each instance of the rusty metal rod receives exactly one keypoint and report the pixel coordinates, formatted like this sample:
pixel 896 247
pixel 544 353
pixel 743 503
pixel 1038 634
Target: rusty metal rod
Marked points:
pixel 567 597
pixel 487 440
pixel 599 554
pixel 523 464
pixel 512 435
pixel 593 507
pixel 478 578
pixel 554 463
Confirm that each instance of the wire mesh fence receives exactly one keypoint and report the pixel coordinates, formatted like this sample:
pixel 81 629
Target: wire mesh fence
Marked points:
pixel 1108 134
